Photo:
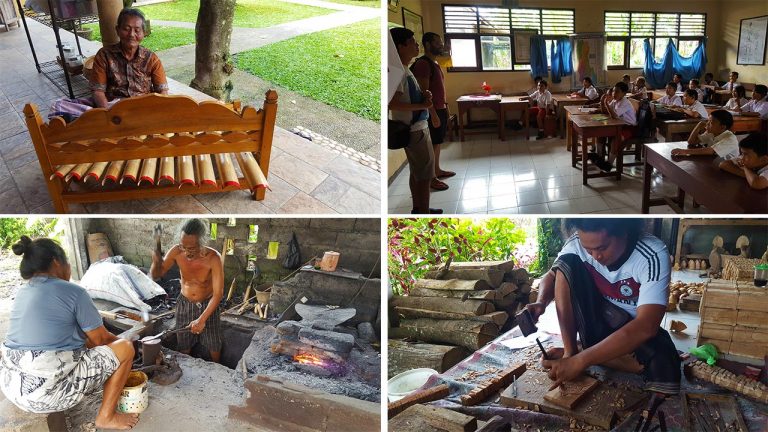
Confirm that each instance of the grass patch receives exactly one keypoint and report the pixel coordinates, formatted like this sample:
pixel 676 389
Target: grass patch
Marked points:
pixel 248 13
pixel 340 67
pixel 364 3
pixel 162 38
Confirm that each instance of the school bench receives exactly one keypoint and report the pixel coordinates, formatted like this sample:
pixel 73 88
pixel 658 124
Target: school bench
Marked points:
pixel 154 146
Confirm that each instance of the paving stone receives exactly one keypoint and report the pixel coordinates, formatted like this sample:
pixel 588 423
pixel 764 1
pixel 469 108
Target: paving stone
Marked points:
pixel 303 203
pixel 302 175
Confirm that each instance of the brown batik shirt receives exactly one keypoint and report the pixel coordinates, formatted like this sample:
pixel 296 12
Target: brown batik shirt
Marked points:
pixel 119 78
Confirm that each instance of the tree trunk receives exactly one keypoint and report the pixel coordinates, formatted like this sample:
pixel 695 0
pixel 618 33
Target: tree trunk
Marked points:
pixel 474 307
pixel 498 318
pixel 404 356
pixel 492 265
pixel 213 63
pixel 493 277
pixel 469 334
pixel 452 284
pixel 477 295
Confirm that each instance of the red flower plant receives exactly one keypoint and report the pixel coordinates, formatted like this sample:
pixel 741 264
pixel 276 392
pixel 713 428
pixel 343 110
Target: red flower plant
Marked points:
pixel 486 87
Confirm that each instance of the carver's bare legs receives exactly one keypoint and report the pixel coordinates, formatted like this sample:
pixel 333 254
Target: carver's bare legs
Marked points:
pixel 108 418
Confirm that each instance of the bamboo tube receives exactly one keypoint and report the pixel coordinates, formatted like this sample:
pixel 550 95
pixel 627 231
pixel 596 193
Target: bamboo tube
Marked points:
pixel 131 171
pixel 227 170
pixel 97 170
pixel 251 170
pixel 78 172
pixel 148 171
pixel 167 170
pixel 205 170
pixel 113 171
pixel 186 171
pixel 62 171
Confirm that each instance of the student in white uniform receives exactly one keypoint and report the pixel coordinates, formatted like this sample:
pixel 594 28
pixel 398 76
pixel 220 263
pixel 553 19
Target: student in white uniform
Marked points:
pixel 617 106
pixel 758 106
pixel 753 163
pixel 670 98
pixel 738 100
pixel 692 107
pixel 709 80
pixel 639 89
pixel 717 139
pixel 542 100
pixel 678 80
pixel 535 87
pixel 588 90
pixel 732 78
pixel 694 85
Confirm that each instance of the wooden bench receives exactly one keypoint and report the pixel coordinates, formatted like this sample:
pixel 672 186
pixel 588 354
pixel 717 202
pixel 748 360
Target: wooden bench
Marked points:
pixel 154 146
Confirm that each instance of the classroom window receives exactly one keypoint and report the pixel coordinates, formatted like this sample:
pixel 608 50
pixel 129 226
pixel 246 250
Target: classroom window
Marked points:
pixel 481 38
pixel 627 30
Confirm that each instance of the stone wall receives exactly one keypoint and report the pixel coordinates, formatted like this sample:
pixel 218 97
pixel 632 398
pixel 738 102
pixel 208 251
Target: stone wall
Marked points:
pixel 358 241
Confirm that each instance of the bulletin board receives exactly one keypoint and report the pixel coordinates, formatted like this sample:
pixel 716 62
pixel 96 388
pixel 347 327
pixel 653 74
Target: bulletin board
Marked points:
pixel 753 36
pixel 588 58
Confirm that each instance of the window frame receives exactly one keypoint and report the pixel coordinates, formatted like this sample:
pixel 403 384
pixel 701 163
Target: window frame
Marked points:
pixel 478 36
pixel 628 39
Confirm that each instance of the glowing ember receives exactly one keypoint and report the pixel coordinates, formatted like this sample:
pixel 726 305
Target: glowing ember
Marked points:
pixel 309 359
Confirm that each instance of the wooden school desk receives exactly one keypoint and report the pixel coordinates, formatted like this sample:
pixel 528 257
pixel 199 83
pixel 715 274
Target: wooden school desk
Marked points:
pixel 741 124
pixel 514 103
pixel 561 101
pixel 586 127
pixel 719 191
pixel 574 110
pixel 468 102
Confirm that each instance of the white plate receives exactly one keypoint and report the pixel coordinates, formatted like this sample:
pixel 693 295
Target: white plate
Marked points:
pixel 401 384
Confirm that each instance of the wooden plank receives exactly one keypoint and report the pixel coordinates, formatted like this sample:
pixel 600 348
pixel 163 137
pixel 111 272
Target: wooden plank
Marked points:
pixel 424 418
pixel 475 295
pixel 493 385
pixel 452 284
pixel 474 307
pixel 496 424
pixel 498 318
pixel 427 395
pixel 404 356
pixel 572 392
pixel 493 277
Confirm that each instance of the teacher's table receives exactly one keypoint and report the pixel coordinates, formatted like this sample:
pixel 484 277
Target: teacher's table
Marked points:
pixel 719 191
pixel 514 103
pixel 589 127
pixel 468 102
pixel 563 100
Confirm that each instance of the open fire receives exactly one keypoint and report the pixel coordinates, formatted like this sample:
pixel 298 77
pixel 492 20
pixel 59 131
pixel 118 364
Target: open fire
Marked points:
pixel 309 359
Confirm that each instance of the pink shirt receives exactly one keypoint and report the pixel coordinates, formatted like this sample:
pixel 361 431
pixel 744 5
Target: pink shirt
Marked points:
pixel 421 70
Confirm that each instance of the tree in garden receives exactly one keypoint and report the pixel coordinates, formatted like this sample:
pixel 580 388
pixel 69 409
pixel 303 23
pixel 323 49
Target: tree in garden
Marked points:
pixel 213 63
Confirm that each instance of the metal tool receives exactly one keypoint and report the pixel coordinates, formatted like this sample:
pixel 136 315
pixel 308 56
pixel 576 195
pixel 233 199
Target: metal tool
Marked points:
pixel 164 333
pixel 646 418
pixel 525 321
pixel 514 385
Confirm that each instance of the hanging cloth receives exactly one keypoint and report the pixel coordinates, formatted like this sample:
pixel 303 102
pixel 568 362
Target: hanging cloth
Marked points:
pixel 658 74
pixel 560 53
pixel 539 65
pixel 293 259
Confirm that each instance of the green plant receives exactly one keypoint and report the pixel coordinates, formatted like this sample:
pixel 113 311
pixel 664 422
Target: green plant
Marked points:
pixel 418 244
pixel 11 229
pixel 550 242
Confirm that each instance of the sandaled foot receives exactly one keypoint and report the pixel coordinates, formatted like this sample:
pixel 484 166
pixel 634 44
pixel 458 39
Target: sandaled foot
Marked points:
pixel 431 211
pixel 438 185
pixel 445 174
pixel 119 421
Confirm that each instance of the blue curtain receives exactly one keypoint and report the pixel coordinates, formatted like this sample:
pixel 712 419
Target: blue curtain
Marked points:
pixel 659 74
pixel 538 56
pixel 561 59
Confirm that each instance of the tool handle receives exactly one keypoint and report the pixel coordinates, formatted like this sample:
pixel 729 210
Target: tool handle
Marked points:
pixel 543 351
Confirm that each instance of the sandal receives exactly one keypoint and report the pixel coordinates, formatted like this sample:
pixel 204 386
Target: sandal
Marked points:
pixel 431 211
pixel 446 174
pixel 438 185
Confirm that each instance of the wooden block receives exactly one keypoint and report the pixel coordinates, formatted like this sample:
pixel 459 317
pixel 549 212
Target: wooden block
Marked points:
pixel 751 318
pixel 492 276
pixel 716 331
pixel 485 390
pixel 572 392
pixel 422 418
pixel 428 395
pixel 723 298
pixel 718 316
pixel 452 284
pixel 750 335
pixel 504 266
pixel 404 356
pixel 753 299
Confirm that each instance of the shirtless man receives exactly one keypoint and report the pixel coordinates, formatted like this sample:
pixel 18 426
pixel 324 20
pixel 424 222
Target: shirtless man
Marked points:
pixel 202 287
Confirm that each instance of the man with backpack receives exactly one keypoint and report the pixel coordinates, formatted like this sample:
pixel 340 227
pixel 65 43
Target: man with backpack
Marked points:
pixel 430 77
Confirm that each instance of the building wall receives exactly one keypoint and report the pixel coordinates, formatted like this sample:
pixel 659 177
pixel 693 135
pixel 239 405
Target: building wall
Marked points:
pixel 731 14
pixel 358 241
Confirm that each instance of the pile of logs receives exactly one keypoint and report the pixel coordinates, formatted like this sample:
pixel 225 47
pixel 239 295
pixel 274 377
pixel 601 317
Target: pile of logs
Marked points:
pixel 738 268
pixel 467 304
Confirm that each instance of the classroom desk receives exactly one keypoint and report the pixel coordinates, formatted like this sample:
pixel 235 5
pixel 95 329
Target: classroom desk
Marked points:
pixel 721 97
pixel 467 102
pixel 514 103
pixel 561 101
pixel 660 93
pixel 717 190
pixel 573 110
pixel 585 127
pixel 741 124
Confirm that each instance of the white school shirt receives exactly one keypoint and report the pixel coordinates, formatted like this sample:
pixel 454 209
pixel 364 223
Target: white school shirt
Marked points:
pixel 543 100
pixel 700 91
pixel 699 108
pixel 625 111
pixel 733 103
pixel 639 279
pixel 726 145
pixel 729 86
pixel 712 83
pixel 763 172
pixel 679 86
pixel 590 92
pixel 643 92
pixel 673 100
pixel 760 106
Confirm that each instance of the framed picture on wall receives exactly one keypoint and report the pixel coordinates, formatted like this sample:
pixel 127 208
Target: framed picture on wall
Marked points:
pixel 393 4
pixel 413 22
pixel 523 45
pixel 753 37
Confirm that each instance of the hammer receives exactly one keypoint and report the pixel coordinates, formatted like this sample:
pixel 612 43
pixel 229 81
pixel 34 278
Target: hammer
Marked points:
pixel 525 321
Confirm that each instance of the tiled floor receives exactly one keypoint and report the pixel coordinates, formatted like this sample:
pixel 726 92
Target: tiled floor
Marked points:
pixel 532 177
pixel 305 177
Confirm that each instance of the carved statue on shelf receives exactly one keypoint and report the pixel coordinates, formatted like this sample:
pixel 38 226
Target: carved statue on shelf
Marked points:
pixel 715 258
pixel 742 244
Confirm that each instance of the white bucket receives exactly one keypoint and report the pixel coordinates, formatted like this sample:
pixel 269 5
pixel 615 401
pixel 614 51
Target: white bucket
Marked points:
pixel 135 396
pixel 401 384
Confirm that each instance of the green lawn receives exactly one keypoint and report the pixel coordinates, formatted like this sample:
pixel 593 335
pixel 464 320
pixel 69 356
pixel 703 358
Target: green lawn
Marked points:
pixel 162 38
pixel 248 13
pixel 364 3
pixel 341 67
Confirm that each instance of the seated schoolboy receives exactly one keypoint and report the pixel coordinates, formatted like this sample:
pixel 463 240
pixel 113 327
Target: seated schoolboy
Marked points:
pixel 639 89
pixel 758 106
pixel 670 98
pixel 709 81
pixel 678 80
pixel 733 77
pixel 712 137
pixel 588 90
pixel 738 99
pixel 535 87
pixel 542 99
pixel 626 78
pixel 599 102
pixel 691 106
pixel 617 106
pixel 694 85
pixel 753 163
